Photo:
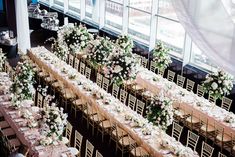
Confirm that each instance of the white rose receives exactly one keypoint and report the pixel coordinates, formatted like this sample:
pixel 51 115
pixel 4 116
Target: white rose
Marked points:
pixel 214 85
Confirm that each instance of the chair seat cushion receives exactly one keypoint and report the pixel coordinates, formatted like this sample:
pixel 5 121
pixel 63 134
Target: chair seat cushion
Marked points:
pixel 224 138
pixel 4 124
pixel 139 152
pixel 192 120
pixel 209 128
pixel 126 141
pixel 97 118
pixel 105 124
pixel 8 132
pixel 78 102
pixel 119 132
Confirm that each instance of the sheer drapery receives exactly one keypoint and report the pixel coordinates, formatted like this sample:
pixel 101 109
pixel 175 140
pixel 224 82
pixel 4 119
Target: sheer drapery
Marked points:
pixel 22 23
pixel 211 27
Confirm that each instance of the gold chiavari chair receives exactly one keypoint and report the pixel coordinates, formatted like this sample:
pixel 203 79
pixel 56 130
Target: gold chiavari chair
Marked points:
pixel 192 121
pixel 131 101
pixel 88 73
pixel 153 66
pixel 82 68
pixel 192 140
pixel 207 150
pixel 39 100
pixel 104 128
pixel 115 90
pixel 76 105
pixel 98 154
pixel 161 72
pixel 76 63
pixel 180 80
pixel 140 107
pixel 221 155
pixel 226 103
pixel 67 95
pixel 99 79
pixel 200 90
pixel 138 151
pixel 78 142
pixel 123 96
pixel 88 112
pixel 89 149
pixel 144 62
pixel 176 131
pixel 70 59
pixel 68 132
pixel 212 99
pixel 170 75
pixel 124 143
pixel 94 121
pixel 105 84
pixel 206 130
pixel 190 85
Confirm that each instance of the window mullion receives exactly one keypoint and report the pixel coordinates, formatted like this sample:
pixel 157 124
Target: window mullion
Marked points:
pixel 125 17
pixel 153 25
pixel 83 9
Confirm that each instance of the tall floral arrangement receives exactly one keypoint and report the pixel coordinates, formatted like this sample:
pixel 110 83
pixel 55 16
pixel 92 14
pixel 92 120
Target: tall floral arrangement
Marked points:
pixel 53 124
pixel 160 112
pixel 99 49
pixel 126 43
pixel 76 37
pixel 161 56
pixel 2 59
pixel 120 66
pixel 60 49
pixel 22 86
pixel 218 83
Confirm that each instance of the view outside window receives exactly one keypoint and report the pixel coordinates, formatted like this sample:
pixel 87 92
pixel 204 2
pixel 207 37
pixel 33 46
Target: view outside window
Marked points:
pixel 114 14
pixel 75 5
pixel 59 2
pixel 89 7
pixel 145 5
pixel 166 9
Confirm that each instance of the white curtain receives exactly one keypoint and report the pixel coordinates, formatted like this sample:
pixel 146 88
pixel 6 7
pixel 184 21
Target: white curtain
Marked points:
pixel 211 28
pixel 22 23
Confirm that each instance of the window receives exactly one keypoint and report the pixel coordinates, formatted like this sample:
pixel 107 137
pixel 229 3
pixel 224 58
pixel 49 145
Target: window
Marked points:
pixel 113 14
pixel 74 5
pixel 59 2
pixel 201 60
pixel 89 7
pixel 145 5
pixel 139 24
pixel 172 34
pixel 44 1
pixel 166 9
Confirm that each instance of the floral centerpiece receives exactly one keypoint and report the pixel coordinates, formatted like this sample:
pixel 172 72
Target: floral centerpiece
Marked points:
pixel 161 56
pixel 2 59
pixel 98 50
pixel 125 43
pixel 120 67
pixel 218 84
pixel 23 83
pixel 160 112
pixel 53 124
pixel 76 37
pixel 230 118
pixel 60 50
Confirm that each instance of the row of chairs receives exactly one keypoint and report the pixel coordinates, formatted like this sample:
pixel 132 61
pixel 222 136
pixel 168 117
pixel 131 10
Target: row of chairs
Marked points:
pixel 180 81
pixel 78 142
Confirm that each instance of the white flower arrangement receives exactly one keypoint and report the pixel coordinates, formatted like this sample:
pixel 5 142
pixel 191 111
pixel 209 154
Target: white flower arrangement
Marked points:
pixel 161 56
pixel 54 121
pixel 99 49
pixel 160 112
pixel 125 43
pixel 119 108
pixel 120 67
pixel 147 130
pixel 60 49
pixel 16 104
pixel 218 84
pixel 230 118
pixel 42 90
pixel 2 59
pixel 75 37
pixel 138 121
pixel 23 83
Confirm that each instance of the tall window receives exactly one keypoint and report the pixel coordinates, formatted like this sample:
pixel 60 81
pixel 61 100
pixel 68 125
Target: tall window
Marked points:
pixel 89 7
pixel 59 2
pixel 114 14
pixel 201 60
pixel 166 9
pixel 75 5
pixel 172 34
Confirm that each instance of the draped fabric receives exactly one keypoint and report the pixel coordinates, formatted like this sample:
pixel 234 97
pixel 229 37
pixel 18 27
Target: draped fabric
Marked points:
pixel 22 24
pixel 211 28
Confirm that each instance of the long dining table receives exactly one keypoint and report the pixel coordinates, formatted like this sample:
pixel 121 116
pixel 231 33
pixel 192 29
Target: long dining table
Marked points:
pixel 115 111
pixel 28 136
pixel 188 101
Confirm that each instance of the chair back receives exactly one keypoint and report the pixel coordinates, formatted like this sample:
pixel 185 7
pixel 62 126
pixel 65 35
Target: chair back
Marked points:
pixel 82 68
pixel 71 59
pixel 39 100
pixel 226 103
pixel 68 132
pixel 140 107
pixel 115 90
pixel 88 73
pixel 105 84
pixel 170 75
pixel 176 131
pixel 89 149
pixel 123 96
pixel 192 140
pixel 153 66
pixel 78 141
pixel 144 62
pixel 190 85
pixel 221 155
pixel 161 72
pixel 131 101
pixel 180 80
pixel 98 154
pixel 211 98
pixel 207 150
pixel 76 63
pixel 200 90
pixel 99 79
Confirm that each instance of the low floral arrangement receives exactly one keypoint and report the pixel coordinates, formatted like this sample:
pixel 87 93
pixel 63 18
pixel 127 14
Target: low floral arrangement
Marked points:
pixel 160 112
pixel 98 50
pixel 161 56
pixel 42 90
pixel 120 67
pixel 125 43
pixel 138 121
pixel 23 83
pixel 147 130
pixel 16 104
pixel 60 50
pixel 2 60
pixel 53 124
pixel 218 84
pixel 230 118
pixel 76 38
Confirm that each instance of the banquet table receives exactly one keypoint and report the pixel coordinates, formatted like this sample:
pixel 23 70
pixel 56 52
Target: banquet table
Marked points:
pixel 110 107
pixel 27 136
pixel 188 101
